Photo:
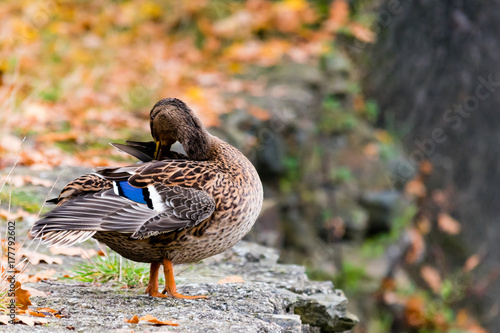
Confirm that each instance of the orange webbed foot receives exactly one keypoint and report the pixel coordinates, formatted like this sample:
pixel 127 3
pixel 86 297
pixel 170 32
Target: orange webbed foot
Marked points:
pixel 170 287
pixel 155 293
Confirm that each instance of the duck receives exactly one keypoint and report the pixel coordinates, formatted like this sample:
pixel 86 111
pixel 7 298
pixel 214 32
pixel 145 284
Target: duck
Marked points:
pixel 170 208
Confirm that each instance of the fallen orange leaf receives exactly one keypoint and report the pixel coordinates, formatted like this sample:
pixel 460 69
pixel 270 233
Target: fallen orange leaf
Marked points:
pixel 425 167
pixel 423 225
pixel 133 320
pixel 432 277
pixel 414 311
pixel 36 314
pixel 231 279
pixel 362 33
pixel 22 180
pixel 49 310
pixel 43 275
pixel 15 216
pixel 54 136
pixel 73 251
pixel 147 317
pixel 154 320
pixel 259 113
pixel 417 246
pixel 472 262
pixel 35 293
pixel 5 320
pixel 448 224
pixel 22 296
pixel 339 15
pixel 415 187
pixel 31 321
pixel 35 258
pixel 462 318
pixel 371 150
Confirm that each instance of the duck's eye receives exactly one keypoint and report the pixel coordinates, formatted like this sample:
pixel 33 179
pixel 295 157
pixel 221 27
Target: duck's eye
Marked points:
pixel 152 117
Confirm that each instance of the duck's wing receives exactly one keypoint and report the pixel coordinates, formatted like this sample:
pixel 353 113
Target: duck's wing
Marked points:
pixel 89 183
pixel 180 208
pixel 154 208
pixel 182 172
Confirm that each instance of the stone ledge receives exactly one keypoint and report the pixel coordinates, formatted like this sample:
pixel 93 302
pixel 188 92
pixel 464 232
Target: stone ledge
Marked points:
pixel 273 298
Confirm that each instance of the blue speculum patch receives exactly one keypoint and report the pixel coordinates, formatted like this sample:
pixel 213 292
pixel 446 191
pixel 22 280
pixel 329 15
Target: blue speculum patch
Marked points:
pixel 130 192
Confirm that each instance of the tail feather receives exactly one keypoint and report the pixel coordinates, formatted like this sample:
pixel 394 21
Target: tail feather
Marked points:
pixel 64 238
pixel 143 151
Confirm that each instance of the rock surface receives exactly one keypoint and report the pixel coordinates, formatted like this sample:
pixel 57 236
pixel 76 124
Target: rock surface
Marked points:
pixel 273 298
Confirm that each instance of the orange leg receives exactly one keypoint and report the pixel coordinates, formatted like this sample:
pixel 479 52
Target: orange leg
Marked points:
pixel 152 288
pixel 170 287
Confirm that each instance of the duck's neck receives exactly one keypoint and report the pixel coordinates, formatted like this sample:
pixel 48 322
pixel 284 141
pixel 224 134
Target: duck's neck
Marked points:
pixel 197 143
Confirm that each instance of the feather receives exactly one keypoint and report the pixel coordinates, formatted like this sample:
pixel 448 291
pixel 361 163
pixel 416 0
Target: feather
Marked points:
pixel 140 195
pixel 144 151
pixel 107 211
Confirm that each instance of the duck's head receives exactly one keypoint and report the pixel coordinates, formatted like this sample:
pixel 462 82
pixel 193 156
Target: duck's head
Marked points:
pixel 172 120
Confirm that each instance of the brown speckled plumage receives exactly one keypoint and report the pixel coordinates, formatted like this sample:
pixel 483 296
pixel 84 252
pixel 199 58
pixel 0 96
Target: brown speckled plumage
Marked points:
pixel 228 177
pixel 192 207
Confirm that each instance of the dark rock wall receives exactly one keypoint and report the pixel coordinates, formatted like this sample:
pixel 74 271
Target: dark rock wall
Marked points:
pixel 435 73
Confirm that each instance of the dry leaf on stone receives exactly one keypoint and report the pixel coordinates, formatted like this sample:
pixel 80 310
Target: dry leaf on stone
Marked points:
pixel 35 314
pixel 44 275
pixel 16 216
pixel 22 180
pixel 133 320
pixel 231 279
pixel 22 296
pixel 54 136
pixel 150 319
pixel 35 293
pixel 40 182
pixel 74 251
pixel 30 321
pixel 154 320
pixel 35 258
pixel 48 312
pixel 5 320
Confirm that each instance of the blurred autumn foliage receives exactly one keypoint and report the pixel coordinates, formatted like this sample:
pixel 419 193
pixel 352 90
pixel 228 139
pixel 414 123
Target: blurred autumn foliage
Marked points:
pixel 79 74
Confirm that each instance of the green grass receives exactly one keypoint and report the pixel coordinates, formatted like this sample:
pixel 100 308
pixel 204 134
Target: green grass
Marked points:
pixel 27 200
pixel 4 301
pixel 112 268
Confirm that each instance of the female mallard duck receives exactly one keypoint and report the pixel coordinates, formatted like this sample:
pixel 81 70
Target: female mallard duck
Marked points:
pixel 170 210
